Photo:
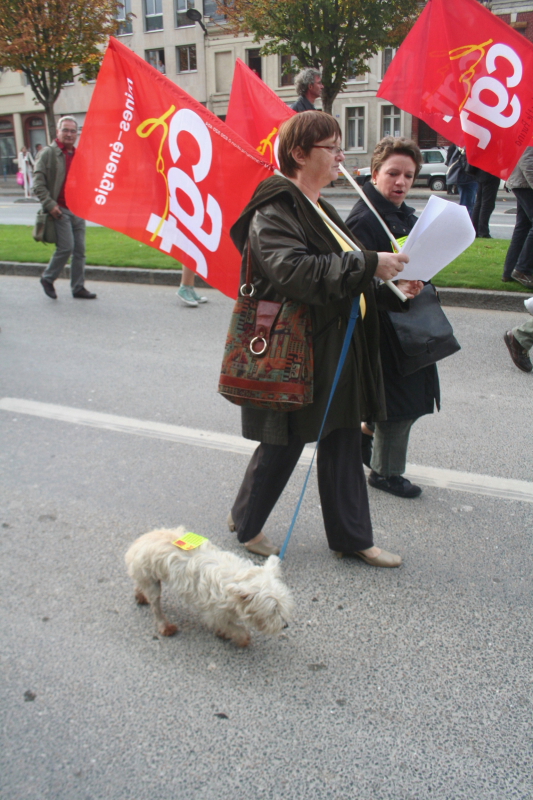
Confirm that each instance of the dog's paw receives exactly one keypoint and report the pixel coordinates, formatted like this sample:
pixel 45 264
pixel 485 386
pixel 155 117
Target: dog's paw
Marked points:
pixel 168 629
pixel 140 598
pixel 241 641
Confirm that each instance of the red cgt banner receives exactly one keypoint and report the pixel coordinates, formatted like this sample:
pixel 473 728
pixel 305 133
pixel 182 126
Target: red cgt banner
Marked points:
pixel 256 112
pixel 153 163
pixel 468 75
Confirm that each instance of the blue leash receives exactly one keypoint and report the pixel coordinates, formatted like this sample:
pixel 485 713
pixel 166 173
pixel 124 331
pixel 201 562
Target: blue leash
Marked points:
pixel 354 313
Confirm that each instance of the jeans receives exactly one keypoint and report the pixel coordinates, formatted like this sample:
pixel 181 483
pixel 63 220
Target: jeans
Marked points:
pixel 520 253
pixel 485 201
pixel 389 451
pixel 70 233
pixel 467 195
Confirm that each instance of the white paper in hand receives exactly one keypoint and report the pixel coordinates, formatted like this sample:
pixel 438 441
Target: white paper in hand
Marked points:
pixel 442 232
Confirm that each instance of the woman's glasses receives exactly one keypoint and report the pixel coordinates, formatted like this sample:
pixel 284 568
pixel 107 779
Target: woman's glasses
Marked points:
pixel 333 149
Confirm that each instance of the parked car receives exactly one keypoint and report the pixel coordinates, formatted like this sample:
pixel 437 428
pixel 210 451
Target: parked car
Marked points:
pixel 432 173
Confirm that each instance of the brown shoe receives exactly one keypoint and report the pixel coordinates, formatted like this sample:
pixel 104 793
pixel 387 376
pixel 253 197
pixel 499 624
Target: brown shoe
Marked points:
pixel 83 294
pixel 525 278
pixel 263 548
pixel 48 287
pixel 517 352
pixel 384 559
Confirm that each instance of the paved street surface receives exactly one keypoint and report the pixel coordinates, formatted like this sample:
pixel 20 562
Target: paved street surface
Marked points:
pixel 403 684
pixel 502 220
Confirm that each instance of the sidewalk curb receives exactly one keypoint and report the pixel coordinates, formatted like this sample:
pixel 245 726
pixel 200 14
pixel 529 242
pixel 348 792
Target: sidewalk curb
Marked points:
pixel 468 298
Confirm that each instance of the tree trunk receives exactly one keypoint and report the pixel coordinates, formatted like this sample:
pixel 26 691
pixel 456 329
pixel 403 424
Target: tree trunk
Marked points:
pixel 51 120
pixel 327 100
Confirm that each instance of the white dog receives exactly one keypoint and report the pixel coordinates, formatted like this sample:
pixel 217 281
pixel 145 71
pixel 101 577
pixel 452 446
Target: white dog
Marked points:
pixel 230 593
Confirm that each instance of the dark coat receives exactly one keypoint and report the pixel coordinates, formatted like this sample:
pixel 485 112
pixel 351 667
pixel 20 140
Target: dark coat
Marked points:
pixel 414 395
pixel 295 255
pixel 302 104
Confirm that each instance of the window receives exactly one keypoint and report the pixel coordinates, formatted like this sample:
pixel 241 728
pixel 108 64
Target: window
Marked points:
pixel 390 121
pixel 210 11
pixel 253 59
pixel 351 73
pixel 186 58
pixel 286 73
pixel 124 17
pixel 153 15
pixel 157 59
pixel 386 57
pixel 433 157
pixel 355 128
pixel 182 6
pixel 68 77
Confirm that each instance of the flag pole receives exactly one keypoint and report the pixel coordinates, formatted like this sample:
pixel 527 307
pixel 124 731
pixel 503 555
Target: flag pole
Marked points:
pixel 371 207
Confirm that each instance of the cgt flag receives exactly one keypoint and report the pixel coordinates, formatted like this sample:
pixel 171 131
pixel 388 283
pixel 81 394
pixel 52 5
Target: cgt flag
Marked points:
pixel 256 112
pixel 154 164
pixel 468 75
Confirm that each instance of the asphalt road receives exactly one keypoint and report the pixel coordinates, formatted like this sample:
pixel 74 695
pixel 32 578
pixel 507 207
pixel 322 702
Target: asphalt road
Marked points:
pixel 501 223
pixel 389 684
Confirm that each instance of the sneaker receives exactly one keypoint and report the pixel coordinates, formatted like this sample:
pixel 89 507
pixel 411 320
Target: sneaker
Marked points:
pixel 396 484
pixel 198 297
pixel 529 305
pixel 186 295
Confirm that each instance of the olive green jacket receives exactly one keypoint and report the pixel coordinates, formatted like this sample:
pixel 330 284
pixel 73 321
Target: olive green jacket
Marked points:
pixel 49 176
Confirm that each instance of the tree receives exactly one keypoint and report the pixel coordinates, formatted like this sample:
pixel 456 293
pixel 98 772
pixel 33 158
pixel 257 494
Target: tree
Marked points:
pixel 335 36
pixel 47 39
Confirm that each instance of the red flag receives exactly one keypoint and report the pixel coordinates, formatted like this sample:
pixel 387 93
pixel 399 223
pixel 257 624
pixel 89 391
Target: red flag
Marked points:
pixel 468 75
pixel 256 112
pixel 153 163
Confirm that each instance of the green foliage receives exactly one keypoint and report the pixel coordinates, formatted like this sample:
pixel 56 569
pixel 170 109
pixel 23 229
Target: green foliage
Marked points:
pixel 336 36
pixel 47 40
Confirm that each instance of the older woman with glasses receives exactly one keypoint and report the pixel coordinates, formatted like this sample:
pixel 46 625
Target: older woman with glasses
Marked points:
pixel 295 254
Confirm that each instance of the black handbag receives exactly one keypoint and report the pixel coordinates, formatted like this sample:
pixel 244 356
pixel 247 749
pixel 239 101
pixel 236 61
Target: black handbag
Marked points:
pixel 422 335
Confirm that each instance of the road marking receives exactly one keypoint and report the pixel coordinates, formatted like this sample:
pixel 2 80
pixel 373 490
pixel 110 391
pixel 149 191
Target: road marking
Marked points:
pixel 504 488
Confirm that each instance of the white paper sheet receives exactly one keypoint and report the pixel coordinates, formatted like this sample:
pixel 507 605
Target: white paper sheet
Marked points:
pixel 442 232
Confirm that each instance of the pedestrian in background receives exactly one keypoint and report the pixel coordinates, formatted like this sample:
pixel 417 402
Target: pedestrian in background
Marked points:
pixel 458 175
pixel 51 170
pixel 519 341
pixel 519 260
pixel 308 84
pixel 487 192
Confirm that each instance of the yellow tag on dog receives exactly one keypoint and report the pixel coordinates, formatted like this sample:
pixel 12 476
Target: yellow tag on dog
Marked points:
pixel 189 541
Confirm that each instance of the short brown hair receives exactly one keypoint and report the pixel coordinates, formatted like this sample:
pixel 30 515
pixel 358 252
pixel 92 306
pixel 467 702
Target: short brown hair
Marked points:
pixel 304 130
pixel 395 146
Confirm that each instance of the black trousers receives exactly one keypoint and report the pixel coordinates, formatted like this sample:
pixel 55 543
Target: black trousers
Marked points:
pixel 520 253
pixel 487 192
pixel 341 484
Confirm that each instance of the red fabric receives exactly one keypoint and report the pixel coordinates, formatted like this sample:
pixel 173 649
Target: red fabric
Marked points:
pixel 468 75
pixel 69 155
pixel 256 112
pixel 153 163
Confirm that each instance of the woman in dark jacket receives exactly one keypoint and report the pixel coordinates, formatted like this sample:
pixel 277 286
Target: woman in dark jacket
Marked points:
pixel 395 164
pixel 296 255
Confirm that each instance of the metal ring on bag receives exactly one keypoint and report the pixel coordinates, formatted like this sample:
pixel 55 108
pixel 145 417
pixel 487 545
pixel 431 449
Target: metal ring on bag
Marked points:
pixel 258 339
pixel 244 293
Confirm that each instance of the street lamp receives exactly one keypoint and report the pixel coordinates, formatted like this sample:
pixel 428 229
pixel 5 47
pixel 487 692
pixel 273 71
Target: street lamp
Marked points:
pixel 195 16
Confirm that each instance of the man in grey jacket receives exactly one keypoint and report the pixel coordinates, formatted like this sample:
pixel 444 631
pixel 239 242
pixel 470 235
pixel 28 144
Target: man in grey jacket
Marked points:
pixel 309 86
pixel 519 260
pixel 50 175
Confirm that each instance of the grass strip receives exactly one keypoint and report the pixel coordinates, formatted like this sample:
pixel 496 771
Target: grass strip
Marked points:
pixel 479 267
pixel 104 248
